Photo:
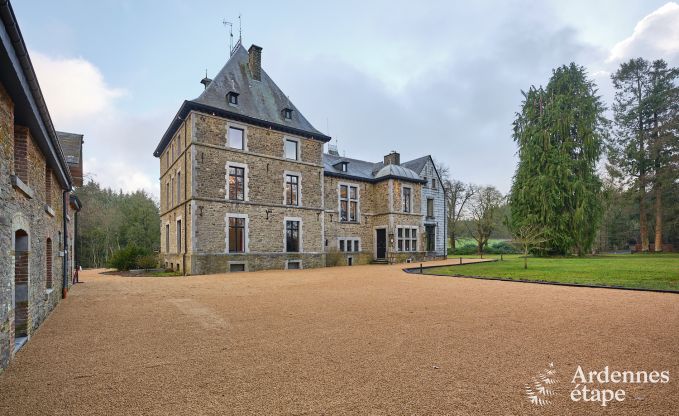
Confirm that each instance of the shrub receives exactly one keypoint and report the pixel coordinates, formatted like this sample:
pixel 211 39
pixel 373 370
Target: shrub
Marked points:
pixel 333 257
pixel 149 261
pixel 128 258
pixel 502 247
pixel 466 249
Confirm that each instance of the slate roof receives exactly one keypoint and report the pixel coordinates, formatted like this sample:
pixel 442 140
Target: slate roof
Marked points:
pixel 368 171
pixel 418 164
pixel 259 102
pixel 71 145
pixel 259 99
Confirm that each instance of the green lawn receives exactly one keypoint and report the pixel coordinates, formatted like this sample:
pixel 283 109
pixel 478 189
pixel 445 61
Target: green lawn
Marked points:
pixel 653 271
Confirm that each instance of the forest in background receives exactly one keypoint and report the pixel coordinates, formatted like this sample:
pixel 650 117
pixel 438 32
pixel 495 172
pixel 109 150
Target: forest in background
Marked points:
pixel 112 220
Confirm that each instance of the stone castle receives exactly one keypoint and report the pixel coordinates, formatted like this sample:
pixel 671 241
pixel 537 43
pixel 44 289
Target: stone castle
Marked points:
pixel 246 185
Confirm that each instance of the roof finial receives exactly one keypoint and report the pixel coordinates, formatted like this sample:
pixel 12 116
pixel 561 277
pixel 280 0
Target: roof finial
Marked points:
pixel 230 25
pixel 240 30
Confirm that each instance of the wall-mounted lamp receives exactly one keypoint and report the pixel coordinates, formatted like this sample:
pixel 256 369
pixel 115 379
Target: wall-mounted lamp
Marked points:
pixel 268 211
pixel 200 210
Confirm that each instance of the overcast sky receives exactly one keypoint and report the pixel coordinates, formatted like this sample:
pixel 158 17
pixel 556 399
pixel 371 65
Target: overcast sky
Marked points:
pixel 441 78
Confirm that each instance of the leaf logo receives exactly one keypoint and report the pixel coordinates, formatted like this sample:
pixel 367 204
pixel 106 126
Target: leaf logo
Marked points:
pixel 540 390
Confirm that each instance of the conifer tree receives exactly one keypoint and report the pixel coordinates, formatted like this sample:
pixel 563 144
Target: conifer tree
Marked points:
pixel 559 132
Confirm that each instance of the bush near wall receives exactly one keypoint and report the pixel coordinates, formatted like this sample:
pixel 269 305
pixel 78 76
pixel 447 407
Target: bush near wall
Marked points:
pixel 133 257
pixel 497 247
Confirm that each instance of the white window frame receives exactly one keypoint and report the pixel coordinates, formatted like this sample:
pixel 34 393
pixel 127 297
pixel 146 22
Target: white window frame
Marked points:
pixel 239 126
pixel 287 262
pixel 179 234
pixel 410 201
pixel 168 229
pixel 352 240
pixel 178 186
pixel 246 181
pixel 339 202
pixel 410 238
pixel 246 232
pixel 299 188
pixel 285 234
pixel 299 147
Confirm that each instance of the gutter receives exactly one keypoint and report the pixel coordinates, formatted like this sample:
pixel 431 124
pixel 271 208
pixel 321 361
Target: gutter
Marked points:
pixel 31 88
pixel 64 283
pixel 187 106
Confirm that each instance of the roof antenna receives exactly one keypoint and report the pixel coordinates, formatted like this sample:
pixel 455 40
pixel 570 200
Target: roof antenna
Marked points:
pixel 230 25
pixel 240 30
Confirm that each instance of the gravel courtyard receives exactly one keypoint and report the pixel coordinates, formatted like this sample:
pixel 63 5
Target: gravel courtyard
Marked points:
pixel 350 340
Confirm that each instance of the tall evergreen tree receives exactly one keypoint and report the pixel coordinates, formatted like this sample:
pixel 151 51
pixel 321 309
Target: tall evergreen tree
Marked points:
pixel 628 153
pixel 663 105
pixel 559 132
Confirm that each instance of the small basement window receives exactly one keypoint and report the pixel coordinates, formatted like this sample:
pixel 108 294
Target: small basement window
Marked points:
pixel 287 113
pixel 237 267
pixel 294 264
pixel 232 98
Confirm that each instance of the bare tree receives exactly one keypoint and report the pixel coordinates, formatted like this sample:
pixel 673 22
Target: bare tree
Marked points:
pixel 458 195
pixel 528 236
pixel 484 210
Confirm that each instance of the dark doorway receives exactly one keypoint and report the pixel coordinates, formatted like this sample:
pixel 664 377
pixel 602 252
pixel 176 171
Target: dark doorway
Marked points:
pixel 20 284
pixel 381 235
pixel 430 231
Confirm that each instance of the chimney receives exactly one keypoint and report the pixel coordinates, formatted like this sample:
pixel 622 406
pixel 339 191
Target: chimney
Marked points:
pixel 255 62
pixel 393 158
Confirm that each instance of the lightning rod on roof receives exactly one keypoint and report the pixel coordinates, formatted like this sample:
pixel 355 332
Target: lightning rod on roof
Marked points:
pixel 230 25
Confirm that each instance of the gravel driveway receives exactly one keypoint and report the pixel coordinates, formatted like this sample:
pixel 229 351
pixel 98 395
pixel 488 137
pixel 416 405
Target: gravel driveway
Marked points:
pixel 348 340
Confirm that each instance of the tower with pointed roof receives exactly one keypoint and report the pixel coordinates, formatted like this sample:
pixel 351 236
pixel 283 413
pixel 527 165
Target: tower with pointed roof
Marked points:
pixel 245 186
pixel 241 175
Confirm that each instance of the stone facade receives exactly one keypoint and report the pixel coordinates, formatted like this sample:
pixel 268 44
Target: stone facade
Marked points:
pixel 31 236
pixel 242 173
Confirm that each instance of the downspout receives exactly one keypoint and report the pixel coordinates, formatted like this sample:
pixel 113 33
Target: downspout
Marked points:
pixel 64 284
pixel 186 216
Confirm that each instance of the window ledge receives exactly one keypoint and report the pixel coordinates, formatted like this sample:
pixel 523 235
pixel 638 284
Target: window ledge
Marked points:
pixel 17 183
pixel 49 210
pixel 48 291
pixel 350 222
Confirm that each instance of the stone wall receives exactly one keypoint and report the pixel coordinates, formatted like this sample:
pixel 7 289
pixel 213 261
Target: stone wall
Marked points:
pixel 24 208
pixel 200 153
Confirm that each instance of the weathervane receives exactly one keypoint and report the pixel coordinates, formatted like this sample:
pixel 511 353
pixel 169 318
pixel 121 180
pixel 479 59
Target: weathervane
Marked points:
pixel 240 33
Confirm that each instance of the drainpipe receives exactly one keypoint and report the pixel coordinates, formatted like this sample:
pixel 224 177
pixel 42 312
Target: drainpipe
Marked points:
pixel 186 216
pixel 64 284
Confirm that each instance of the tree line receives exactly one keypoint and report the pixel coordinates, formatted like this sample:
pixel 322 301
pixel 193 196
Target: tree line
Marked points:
pixel 585 182
pixel 112 220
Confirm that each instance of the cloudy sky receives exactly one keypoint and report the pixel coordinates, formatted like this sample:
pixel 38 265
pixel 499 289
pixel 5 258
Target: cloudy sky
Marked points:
pixel 441 77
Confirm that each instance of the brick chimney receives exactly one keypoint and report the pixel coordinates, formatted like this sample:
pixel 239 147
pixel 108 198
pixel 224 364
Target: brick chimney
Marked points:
pixel 255 61
pixel 393 158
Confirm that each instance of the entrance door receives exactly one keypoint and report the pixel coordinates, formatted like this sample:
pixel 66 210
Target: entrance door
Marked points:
pixel 430 231
pixel 381 235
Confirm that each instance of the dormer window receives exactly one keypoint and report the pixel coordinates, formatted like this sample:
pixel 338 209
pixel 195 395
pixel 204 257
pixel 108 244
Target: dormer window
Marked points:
pixel 342 166
pixel 232 98
pixel 287 113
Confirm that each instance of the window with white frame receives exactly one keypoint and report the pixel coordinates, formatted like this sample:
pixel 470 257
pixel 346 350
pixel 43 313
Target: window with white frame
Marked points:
pixel 236 138
pixel 407 199
pixel 291 189
pixel 236 235
pixel 167 237
pixel 430 207
pixel 406 239
pixel 291 149
pixel 433 183
pixel 348 244
pixel 179 236
pixel 348 200
pixel 292 236
pixel 236 183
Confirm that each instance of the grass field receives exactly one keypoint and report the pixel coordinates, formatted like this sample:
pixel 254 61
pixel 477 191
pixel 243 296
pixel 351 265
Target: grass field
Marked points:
pixel 655 271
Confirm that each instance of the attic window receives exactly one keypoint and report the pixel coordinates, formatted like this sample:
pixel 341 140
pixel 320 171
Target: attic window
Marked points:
pixel 287 113
pixel 232 98
pixel 344 166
